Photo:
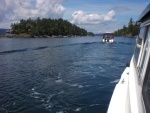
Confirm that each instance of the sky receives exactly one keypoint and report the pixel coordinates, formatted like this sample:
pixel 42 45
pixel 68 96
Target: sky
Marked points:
pixel 97 16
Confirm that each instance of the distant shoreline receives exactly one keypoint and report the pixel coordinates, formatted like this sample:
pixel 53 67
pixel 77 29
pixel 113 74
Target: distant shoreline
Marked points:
pixel 127 36
pixel 16 36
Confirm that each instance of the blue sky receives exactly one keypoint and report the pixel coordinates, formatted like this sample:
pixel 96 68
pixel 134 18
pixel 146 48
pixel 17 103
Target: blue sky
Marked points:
pixel 97 16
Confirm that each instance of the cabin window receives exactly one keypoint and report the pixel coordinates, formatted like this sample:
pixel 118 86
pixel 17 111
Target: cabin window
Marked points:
pixel 146 89
pixel 138 48
pixel 145 70
pixel 145 51
pixel 142 61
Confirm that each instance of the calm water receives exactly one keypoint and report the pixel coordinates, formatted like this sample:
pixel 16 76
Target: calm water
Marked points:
pixel 62 75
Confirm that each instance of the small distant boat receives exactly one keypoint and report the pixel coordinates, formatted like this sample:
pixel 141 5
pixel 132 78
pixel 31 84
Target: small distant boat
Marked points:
pixel 108 37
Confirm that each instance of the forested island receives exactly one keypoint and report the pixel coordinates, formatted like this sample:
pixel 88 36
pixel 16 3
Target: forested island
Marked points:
pixel 47 27
pixel 130 31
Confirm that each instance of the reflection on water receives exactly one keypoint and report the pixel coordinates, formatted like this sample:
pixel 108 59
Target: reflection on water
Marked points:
pixel 62 75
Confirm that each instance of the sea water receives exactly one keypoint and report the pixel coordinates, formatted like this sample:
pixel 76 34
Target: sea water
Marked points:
pixel 60 75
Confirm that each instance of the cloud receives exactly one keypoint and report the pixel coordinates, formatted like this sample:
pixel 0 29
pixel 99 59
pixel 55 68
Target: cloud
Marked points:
pixel 120 9
pixel 103 27
pixel 22 9
pixel 81 17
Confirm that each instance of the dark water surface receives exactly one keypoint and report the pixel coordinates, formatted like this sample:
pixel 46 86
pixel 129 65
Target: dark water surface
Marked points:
pixel 60 75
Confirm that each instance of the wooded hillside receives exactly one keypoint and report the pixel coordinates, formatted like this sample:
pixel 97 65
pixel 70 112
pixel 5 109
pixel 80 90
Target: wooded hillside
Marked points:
pixel 131 30
pixel 47 27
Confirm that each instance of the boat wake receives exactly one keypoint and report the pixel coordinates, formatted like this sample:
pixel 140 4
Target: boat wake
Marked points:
pixel 43 47
pixel 57 46
pixel 54 106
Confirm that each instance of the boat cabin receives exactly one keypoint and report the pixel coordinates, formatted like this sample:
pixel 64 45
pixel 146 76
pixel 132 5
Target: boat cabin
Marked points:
pixel 108 37
pixel 141 59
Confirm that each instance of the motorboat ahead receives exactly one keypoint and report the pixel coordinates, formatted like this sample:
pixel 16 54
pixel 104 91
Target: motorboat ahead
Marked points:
pixel 108 37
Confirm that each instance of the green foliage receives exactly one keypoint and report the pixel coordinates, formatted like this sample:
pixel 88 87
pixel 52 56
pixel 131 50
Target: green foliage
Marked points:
pixel 47 27
pixel 131 30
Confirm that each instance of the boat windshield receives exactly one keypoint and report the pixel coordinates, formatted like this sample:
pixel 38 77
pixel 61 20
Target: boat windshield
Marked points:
pixel 108 36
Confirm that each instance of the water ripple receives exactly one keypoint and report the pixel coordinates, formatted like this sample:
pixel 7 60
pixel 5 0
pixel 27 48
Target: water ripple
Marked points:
pixel 70 75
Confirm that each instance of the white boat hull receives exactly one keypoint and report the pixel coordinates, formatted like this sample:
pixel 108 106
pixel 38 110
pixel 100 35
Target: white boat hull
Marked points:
pixel 109 40
pixel 120 99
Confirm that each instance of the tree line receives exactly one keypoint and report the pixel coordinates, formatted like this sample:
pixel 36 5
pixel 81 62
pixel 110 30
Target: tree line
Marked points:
pixel 47 27
pixel 131 30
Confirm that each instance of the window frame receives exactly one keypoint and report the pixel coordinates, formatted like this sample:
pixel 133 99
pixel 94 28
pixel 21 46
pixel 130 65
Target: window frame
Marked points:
pixel 137 62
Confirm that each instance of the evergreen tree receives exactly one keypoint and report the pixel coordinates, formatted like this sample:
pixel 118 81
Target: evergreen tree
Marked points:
pixel 124 30
pixel 130 26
